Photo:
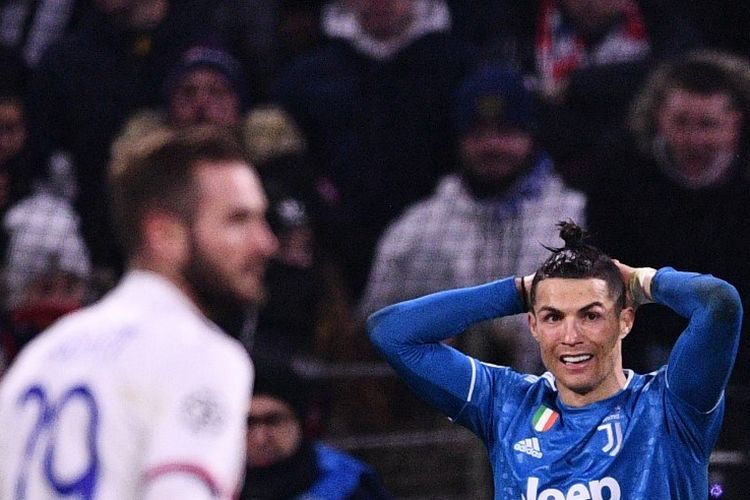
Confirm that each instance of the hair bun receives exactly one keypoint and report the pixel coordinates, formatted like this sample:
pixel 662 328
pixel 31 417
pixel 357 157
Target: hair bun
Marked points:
pixel 572 234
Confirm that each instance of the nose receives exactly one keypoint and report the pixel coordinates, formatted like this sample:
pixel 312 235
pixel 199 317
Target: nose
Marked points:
pixel 571 334
pixel 265 241
pixel 259 435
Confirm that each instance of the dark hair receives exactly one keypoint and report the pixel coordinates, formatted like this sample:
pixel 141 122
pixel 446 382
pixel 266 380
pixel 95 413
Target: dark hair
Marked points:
pixel 160 176
pixel 578 260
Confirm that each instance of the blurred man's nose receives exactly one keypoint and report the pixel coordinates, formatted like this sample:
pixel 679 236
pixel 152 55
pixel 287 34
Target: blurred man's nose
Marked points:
pixel 265 241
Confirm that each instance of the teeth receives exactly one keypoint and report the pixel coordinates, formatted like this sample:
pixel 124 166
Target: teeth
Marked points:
pixel 576 359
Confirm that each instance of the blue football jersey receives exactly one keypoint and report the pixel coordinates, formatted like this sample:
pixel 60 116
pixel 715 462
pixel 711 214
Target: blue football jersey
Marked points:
pixel 650 440
pixel 641 443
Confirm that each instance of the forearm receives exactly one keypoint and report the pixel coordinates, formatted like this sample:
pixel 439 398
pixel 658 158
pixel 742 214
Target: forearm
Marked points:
pixel 702 358
pixel 442 315
pixel 408 335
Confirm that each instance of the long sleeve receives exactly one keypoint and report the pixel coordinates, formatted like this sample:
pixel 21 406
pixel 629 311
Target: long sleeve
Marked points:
pixel 409 336
pixel 702 358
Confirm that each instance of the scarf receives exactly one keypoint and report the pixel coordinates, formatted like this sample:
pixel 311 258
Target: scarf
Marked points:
pixel 560 50
pixel 283 480
pixel 430 16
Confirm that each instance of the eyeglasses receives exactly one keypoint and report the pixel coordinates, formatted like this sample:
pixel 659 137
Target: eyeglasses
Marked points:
pixel 271 420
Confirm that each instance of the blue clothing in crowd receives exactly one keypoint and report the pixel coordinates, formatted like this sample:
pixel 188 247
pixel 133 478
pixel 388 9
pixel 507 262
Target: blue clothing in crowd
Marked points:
pixel 342 477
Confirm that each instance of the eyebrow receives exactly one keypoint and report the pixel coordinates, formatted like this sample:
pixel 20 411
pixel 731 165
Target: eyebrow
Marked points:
pixel 582 309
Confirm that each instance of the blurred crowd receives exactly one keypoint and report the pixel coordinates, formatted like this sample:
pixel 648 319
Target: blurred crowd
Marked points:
pixel 407 146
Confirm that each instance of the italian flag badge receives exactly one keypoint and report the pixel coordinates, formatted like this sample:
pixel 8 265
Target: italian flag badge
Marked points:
pixel 544 419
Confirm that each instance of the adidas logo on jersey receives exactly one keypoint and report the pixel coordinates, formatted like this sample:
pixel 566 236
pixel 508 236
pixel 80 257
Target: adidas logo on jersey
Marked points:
pixel 530 446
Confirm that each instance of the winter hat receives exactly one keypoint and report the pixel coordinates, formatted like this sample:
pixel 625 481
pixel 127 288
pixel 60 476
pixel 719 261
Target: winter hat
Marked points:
pixel 277 380
pixel 213 57
pixel 493 94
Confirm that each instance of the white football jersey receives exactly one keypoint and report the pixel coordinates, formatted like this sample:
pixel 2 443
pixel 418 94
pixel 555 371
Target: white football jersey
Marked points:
pixel 133 389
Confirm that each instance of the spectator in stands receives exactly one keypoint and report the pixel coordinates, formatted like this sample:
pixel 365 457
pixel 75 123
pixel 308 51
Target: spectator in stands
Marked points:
pixel 374 104
pixel 278 149
pixel 44 263
pixel 587 59
pixel 29 27
pixel 13 135
pixel 41 228
pixel 282 462
pixel 48 295
pixel 267 34
pixel 87 84
pixel 205 86
pixel 307 312
pixel 486 220
pixel 676 192
pixel 43 232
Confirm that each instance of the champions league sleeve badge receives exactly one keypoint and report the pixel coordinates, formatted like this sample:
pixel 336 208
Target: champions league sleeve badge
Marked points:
pixel 203 412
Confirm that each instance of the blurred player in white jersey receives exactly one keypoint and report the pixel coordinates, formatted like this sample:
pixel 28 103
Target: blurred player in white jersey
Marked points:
pixel 142 395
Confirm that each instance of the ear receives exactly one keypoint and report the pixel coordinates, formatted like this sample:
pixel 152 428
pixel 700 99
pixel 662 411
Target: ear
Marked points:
pixel 532 325
pixel 165 238
pixel 627 317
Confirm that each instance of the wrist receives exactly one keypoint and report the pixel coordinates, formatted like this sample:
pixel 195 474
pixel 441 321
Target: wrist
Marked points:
pixel 639 285
pixel 523 288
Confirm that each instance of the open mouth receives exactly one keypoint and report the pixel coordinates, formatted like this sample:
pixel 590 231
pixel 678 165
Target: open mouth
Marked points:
pixel 575 359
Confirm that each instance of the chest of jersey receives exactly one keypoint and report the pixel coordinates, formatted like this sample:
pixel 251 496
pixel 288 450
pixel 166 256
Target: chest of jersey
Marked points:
pixel 606 451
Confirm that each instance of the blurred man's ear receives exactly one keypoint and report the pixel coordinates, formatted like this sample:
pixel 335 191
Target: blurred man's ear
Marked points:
pixel 165 238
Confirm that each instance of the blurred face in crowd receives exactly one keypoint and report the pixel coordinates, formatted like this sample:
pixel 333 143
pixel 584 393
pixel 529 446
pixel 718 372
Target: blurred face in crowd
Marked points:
pixel 204 96
pixel 384 19
pixel 701 132
pixel 230 240
pixel 593 16
pixel 134 14
pixel 492 154
pixel 47 297
pixel 273 431
pixel 579 328
pixel 12 129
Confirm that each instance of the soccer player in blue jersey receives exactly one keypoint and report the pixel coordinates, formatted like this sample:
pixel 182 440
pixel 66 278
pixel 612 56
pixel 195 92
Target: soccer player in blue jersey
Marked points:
pixel 587 428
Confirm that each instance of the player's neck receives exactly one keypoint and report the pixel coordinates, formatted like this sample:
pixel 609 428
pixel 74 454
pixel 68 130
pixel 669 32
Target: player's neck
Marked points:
pixel 607 388
pixel 169 273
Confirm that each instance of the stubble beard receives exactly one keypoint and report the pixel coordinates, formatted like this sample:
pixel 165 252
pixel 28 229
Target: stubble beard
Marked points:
pixel 213 295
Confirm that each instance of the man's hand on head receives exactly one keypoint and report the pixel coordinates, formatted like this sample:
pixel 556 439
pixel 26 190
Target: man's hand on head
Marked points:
pixel 637 283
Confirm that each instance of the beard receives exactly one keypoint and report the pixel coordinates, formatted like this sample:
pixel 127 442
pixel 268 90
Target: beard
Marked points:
pixel 213 294
pixel 485 182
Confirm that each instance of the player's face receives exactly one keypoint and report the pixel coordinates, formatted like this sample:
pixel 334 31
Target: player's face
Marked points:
pixel 579 331
pixel 231 240
pixel 701 131
pixel 204 96
pixel 273 431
